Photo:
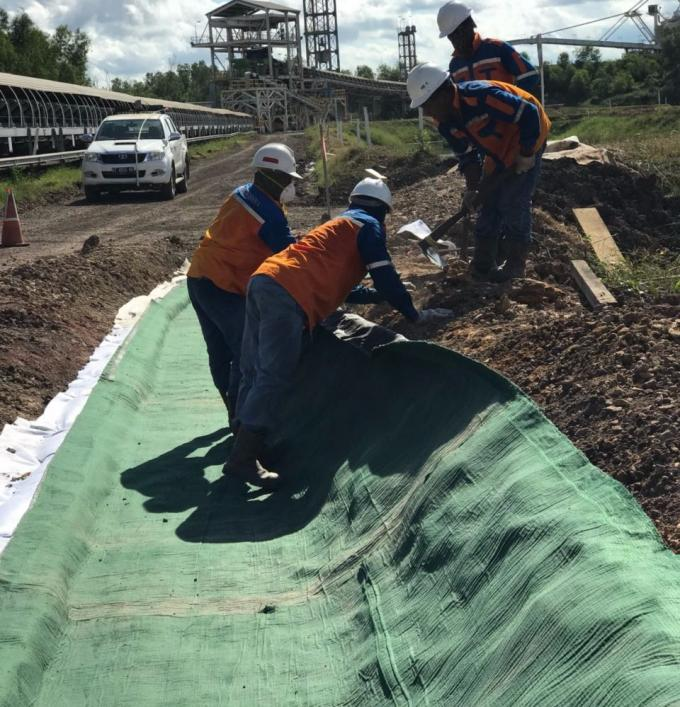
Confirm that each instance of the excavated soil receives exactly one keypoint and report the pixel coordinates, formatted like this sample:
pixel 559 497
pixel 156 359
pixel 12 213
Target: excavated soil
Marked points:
pixel 610 380
pixel 55 311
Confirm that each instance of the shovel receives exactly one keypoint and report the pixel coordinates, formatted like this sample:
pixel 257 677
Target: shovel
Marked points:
pixel 486 188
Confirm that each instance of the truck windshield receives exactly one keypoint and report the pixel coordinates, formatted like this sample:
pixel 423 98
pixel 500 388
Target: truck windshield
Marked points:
pixel 133 129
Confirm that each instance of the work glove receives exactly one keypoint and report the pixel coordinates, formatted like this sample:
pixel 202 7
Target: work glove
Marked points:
pixel 524 163
pixel 433 315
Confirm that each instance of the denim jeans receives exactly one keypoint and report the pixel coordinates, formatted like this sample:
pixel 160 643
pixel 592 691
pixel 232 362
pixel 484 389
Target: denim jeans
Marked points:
pixel 507 211
pixel 272 346
pixel 221 315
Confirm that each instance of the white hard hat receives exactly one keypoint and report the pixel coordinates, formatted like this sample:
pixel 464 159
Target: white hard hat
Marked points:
pixel 276 156
pixel 451 16
pixel 423 80
pixel 375 189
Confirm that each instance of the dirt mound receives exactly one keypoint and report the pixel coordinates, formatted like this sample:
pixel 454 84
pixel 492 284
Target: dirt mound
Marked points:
pixel 55 311
pixel 401 171
pixel 610 380
pixel 632 204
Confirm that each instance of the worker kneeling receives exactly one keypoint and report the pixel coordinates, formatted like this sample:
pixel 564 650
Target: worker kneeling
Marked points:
pixel 510 128
pixel 249 227
pixel 294 291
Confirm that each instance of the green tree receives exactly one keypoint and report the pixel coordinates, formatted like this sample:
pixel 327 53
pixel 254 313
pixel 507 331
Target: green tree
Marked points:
pixel 26 49
pixel 670 53
pixel 8 55
pixel 34 55
pixel 623 83
pixel 389 73
pixel 71 50
pixel 563 60
pixel 365 72
pixel 600 88
pixel 588 58
pixel 579 87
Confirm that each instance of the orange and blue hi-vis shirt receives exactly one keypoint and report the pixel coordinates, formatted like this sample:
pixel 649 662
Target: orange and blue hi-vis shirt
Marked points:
pixel 323 269
pixel 493 60
pixel 249 227
pixel 495 120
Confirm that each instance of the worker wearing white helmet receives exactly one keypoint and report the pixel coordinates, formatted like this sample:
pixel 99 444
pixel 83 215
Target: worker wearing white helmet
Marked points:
pixel 510 128
pixel 293 291
pixel 477 59
pixel 249 227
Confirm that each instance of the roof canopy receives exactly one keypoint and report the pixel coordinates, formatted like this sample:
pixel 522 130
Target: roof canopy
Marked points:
pixel 239 8
pixel 32 84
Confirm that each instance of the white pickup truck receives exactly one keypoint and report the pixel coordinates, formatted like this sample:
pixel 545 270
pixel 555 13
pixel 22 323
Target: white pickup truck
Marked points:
pixel 136 151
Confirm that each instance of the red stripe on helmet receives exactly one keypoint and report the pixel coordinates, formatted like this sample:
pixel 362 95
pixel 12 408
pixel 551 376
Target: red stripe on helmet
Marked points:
pixel 273 160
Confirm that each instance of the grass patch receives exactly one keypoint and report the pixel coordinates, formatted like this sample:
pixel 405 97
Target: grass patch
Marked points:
pixel 648 140
pixel 645 273
pixel 201 150
pixel 392 140
pixel 33 186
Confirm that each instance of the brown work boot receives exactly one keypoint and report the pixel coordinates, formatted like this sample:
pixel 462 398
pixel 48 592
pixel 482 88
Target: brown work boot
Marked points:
pixel 515 263
pixel 484 260
pixel 243 461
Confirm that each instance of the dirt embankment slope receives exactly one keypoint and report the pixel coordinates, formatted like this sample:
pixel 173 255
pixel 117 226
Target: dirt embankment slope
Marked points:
pixel 610 380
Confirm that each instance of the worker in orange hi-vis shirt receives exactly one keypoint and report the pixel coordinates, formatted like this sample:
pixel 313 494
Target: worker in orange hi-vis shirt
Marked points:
pixel 250 226
pixel 477 59
pixel 290 293
pixel 509 128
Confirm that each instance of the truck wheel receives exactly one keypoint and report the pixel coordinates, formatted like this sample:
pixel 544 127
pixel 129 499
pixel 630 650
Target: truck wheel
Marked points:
pixel 169 190
pixel 183 185
pixel 92 193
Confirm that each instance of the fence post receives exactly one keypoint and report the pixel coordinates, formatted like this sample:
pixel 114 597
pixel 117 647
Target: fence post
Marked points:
pixel 369 142
pixel 421 128
pixel 341 134
pixel 358 129
pixel 541 67
pixel 324 157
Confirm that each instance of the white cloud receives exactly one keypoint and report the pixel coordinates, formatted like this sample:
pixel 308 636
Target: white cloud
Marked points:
pixel 132 38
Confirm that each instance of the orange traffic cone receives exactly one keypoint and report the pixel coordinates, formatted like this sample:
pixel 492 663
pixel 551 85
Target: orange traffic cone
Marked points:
pixel 11 226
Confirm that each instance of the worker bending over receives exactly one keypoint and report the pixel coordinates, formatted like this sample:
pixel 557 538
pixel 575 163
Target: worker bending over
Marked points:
pixel 475 58
pixel 510 128
pixel 294 291
pixel 249 227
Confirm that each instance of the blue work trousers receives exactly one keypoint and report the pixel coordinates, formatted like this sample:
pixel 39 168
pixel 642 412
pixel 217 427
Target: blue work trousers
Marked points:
pixel 272 345
pixel 507 211
pixel 221 315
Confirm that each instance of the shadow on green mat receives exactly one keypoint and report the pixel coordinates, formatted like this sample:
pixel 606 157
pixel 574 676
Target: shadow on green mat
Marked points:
pixel 345 412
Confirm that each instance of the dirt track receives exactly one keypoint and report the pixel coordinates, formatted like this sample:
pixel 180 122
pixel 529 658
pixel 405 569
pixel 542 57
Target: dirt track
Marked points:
pixel 61 228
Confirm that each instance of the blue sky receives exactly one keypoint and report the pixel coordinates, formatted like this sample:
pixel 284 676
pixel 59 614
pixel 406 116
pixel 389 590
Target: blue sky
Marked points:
pixel 131 38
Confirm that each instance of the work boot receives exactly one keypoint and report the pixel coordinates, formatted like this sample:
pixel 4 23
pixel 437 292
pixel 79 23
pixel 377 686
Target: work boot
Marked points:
pixel 515 263
pixel 484 259
pixel 243 461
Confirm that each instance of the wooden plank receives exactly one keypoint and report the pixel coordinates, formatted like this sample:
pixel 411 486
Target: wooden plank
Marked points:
pixel 600 238
pixel 590 284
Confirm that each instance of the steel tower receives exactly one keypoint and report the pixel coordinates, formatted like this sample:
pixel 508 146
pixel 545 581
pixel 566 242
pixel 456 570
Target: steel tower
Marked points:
pixel 321 34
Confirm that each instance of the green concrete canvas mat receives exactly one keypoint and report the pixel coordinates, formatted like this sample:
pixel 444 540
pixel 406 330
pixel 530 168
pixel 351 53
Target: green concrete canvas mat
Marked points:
pixel 439 543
